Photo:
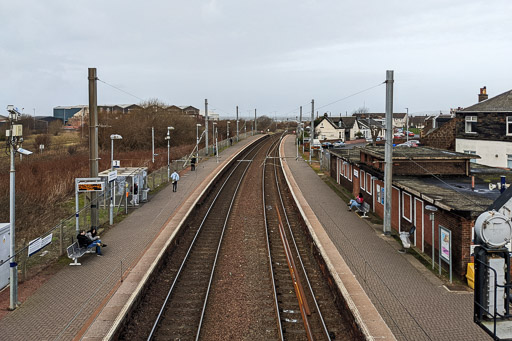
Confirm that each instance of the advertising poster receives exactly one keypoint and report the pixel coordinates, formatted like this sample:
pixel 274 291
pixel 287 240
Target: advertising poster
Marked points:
pixel 445 244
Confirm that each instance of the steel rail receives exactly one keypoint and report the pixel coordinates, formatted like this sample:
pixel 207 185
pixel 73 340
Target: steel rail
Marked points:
pixel 298 254
pixel 153 329
pixel 220 244
pixel 271 268
pixel 297 286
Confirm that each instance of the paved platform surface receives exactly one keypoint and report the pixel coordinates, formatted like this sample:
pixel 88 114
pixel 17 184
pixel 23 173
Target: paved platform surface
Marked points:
pixel 413 302
pixel 63 307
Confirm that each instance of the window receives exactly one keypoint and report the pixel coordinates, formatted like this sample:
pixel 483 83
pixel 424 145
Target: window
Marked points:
pixel 339 134
pixel 349 172
pixel 470 124
pixel 509 125
pixel 471 152
pixel 378 193
pixel 509 160
pixel 361 179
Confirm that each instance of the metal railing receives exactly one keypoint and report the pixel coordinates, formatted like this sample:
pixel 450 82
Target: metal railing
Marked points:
pixel 64 233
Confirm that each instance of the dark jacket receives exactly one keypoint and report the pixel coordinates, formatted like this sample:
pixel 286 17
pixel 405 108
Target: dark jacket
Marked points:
pixel 83 241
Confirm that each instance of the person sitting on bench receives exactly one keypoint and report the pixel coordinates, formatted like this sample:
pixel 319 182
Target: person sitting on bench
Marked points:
pixel 85 241
pixel 92 234
pixel 357 202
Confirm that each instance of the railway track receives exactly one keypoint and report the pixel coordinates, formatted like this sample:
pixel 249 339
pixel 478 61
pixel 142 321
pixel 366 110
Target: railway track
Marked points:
pixel 302 296
pixel 268 284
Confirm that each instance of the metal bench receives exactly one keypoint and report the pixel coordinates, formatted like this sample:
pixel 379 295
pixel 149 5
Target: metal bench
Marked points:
pixel 364 209
pixel 75 252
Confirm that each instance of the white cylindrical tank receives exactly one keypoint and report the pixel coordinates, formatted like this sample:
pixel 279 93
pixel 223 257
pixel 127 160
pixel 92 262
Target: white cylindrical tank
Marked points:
pixel 493 229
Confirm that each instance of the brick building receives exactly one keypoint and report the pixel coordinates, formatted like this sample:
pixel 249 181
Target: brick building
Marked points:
pixel 421 176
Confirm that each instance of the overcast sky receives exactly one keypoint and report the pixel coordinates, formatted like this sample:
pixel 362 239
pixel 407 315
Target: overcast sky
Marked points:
pixel 271 55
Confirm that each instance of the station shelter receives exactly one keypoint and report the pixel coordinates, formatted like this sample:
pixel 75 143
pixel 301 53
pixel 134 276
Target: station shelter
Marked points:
pixel 130 183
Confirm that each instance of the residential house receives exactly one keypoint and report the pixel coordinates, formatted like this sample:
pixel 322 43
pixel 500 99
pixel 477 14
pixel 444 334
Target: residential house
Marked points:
pixel 399 119
pixel 422 176
pixel 330 129
pixel 417 121
pixel 485 129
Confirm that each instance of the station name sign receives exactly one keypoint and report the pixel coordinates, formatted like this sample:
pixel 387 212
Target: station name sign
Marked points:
pixel 90 186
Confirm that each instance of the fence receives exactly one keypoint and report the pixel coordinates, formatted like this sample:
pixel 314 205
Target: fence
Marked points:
pixel 58 238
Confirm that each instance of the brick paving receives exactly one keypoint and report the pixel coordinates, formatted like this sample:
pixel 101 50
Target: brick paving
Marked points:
pixel 64 304
pixel 411 300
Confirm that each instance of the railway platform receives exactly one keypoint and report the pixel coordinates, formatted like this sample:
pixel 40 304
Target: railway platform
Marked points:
pixel 414 303
pixel 66 305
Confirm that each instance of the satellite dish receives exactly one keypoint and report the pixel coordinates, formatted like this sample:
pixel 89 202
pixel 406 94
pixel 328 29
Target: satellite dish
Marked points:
pixel 493 229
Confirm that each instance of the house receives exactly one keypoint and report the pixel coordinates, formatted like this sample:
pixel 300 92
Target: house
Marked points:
pixel 347 128
pixel 371 128
pixel 422 176
pixel 417 121
pixel 399 119
pixel 485 129
pixel 330 129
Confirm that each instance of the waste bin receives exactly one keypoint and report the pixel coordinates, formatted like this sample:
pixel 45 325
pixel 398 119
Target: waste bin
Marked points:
pixel 470 275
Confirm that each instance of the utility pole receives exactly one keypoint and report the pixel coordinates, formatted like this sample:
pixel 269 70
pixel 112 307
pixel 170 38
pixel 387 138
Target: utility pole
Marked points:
pixel 302 129
pixel 312 129
pixel 237 123
pixel 153 144
pixel 93 142
pixel 388 157
pixel 407 125
pixel 255 125
pixel 206 125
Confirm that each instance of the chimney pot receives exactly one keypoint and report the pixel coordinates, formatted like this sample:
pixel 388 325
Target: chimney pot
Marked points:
pixel 483 94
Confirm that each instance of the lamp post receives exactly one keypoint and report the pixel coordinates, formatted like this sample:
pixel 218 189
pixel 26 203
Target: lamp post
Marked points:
pixel 197 141
pixel 112 138
pixel 168 138
pixel 216 145
pixel 213 137
pixel 228 130
pixel 14 139
pixel 432 210
pixel 407 125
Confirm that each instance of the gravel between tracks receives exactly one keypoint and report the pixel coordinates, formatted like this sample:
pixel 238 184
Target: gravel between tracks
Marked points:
pixel 236 303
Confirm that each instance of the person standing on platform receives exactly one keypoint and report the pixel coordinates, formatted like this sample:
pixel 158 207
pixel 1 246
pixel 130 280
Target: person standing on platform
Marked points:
pixel 175 178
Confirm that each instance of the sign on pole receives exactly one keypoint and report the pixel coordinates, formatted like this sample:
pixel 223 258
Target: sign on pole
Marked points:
pixel 112 176
pixel 116 163
pixel 37 244
pixel 90 186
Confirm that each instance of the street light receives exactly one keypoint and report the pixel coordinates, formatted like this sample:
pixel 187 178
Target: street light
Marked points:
pixel 213 137
pixel 112 138
pixel 432 210
pixel 197 141
pixel 216 144
pixel 14 140
pixel 111 213
pixel 228 130
pixel 168 138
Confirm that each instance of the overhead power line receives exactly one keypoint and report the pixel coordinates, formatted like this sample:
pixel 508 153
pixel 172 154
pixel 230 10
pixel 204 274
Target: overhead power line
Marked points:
pixel 115 87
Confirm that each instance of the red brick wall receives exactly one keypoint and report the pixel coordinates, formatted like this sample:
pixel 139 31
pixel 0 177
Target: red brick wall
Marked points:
pixel 450 167
pixel 395 216
pixel 419 222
